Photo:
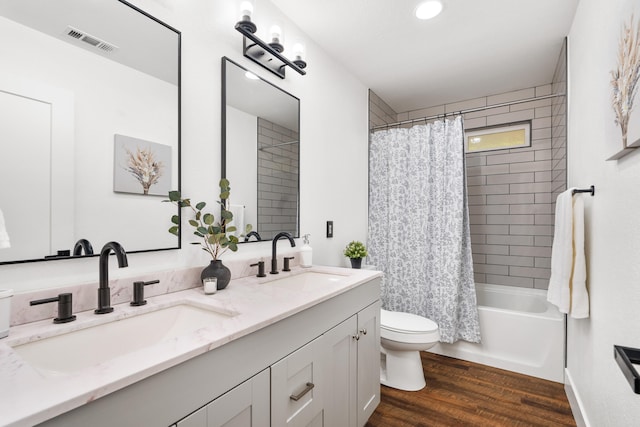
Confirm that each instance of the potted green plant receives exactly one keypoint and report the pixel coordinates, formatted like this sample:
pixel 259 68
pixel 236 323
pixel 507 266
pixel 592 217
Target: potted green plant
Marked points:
pixel 215 237
pixel 355 251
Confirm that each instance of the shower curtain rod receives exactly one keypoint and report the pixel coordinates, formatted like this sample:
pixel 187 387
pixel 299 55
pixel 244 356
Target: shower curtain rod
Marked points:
pixel 469 110
pixel 266 147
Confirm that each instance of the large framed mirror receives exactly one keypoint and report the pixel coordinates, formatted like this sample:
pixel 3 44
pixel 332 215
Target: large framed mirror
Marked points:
pixel 90 135
pixel 260 152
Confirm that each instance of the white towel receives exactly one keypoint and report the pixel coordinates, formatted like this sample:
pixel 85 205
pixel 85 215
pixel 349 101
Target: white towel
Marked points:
pixel 4 237
pixel 567 286
pixel 238 219
pixel 579 294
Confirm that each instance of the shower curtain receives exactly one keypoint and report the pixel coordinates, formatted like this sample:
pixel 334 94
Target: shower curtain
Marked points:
pixel 419 225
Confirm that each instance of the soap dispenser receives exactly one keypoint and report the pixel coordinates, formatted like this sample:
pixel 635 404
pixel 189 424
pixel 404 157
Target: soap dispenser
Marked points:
pixel 306 252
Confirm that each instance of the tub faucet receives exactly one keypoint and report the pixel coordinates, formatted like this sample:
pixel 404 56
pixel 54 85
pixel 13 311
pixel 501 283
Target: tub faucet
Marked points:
pixel 104 292
pixel 83 245
pixel 274 244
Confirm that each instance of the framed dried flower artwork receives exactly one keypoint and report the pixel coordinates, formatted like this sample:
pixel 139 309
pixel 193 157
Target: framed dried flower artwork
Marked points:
pixel 141 167
pixel 624 81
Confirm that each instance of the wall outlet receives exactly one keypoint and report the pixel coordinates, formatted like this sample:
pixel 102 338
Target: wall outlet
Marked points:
pixel 329 228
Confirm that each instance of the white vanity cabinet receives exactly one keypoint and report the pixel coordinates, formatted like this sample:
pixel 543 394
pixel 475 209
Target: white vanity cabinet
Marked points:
pixel 327 356
pixel 352 369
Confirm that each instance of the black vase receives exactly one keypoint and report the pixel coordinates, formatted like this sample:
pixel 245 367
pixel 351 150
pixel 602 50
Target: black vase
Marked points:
pixel 216 269
pixel 356 262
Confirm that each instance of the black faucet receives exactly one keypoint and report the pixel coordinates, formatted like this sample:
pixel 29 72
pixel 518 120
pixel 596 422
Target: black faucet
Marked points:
pixel 274 244
pixel 104 293
pixel 83 244
pixel 252 233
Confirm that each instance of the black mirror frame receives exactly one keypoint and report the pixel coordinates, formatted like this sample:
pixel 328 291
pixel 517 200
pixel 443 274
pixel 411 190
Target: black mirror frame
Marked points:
pixel 179 246
pixel 223 130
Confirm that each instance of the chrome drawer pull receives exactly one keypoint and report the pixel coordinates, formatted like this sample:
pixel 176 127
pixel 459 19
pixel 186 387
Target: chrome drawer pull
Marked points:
pixel 364 331
pixel 306 390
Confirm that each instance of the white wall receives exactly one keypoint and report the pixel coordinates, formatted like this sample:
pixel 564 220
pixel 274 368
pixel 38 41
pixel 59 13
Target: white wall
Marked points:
pixel 99 112
pixel 333 141
pixel 242 163
pixel 612 221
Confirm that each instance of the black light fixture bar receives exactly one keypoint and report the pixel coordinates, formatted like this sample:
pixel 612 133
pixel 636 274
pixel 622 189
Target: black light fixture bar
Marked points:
pixel 264 55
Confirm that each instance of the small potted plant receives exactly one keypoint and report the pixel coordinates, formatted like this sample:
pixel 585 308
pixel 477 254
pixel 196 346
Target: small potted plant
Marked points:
pixel 215 237
pixel 355 251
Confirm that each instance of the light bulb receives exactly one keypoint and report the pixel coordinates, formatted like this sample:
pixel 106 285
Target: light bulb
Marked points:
pixel 251 76
pixel 298 55
pixel 429 9
pixel 298 51
pixel 276 33
pixel 246 10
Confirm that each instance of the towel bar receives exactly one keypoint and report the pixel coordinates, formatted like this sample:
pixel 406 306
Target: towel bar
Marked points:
pixel 591 190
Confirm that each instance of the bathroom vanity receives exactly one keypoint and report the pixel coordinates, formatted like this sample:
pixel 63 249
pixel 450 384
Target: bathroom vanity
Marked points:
pixel 300 348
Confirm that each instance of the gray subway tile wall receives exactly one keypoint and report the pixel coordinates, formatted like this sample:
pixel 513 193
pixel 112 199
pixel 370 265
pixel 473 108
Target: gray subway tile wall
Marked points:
pixel 511 192
pixel 559 128
pixel 379 112
pixel 277 179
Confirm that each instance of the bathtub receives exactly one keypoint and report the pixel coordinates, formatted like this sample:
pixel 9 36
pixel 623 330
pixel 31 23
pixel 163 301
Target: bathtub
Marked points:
pixel 521 332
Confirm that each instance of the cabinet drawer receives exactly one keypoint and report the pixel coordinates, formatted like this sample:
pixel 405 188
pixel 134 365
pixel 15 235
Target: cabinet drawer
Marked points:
pixel 296 387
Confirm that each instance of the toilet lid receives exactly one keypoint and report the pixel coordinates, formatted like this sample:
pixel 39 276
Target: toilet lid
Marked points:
pixel 406 322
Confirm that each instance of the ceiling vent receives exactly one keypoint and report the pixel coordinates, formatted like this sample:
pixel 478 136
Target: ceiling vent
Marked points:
pixel 91 40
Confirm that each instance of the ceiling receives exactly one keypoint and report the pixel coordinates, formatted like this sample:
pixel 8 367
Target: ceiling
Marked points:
pixel 140 42
pixel 474 48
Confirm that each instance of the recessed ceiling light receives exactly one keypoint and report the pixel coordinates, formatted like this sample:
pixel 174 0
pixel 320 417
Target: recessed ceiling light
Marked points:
pixel 429 9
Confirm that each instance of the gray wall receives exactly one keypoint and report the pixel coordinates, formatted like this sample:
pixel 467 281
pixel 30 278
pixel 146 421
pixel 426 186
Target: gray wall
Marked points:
pixel 277 180
pixel 511 192
pixel 379 112
pixel 559 127
pixel 511 210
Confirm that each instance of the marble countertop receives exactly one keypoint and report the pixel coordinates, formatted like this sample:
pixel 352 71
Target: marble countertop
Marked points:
pixel 28 397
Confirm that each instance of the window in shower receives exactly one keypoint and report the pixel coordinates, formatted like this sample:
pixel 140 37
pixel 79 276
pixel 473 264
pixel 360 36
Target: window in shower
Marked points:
pixel 512 135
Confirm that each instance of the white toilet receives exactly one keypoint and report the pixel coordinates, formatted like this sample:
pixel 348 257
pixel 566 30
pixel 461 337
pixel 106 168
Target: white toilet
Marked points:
pixel 402 337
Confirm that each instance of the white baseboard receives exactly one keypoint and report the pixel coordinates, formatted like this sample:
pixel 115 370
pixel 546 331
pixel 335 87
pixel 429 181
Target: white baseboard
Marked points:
pixel 577 407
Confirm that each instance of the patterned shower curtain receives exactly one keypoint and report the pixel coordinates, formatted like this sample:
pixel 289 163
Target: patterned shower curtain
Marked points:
pixel 419 225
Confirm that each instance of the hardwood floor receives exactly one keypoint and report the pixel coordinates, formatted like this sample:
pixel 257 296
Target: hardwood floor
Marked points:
pixel 461 393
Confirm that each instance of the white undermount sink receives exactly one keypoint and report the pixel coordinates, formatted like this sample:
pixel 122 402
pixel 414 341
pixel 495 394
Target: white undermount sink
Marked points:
pixel 72 351
pixel 307 280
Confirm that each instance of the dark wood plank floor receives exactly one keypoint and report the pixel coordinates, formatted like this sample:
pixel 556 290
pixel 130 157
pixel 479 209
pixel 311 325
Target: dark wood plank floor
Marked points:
pixel 461 393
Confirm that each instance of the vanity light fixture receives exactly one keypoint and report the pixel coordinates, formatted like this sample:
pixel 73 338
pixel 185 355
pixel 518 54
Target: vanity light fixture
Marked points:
pixel 267 55
pixel 429 9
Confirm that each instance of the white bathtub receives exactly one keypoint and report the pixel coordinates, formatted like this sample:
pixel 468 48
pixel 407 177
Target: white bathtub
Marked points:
pixel 520 330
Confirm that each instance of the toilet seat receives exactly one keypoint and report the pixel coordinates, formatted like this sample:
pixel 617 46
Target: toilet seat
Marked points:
pixel 408 328
pixel 406 322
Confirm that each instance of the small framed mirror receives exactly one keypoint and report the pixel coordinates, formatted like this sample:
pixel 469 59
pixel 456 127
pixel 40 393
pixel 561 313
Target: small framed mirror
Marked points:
pixel 260 153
